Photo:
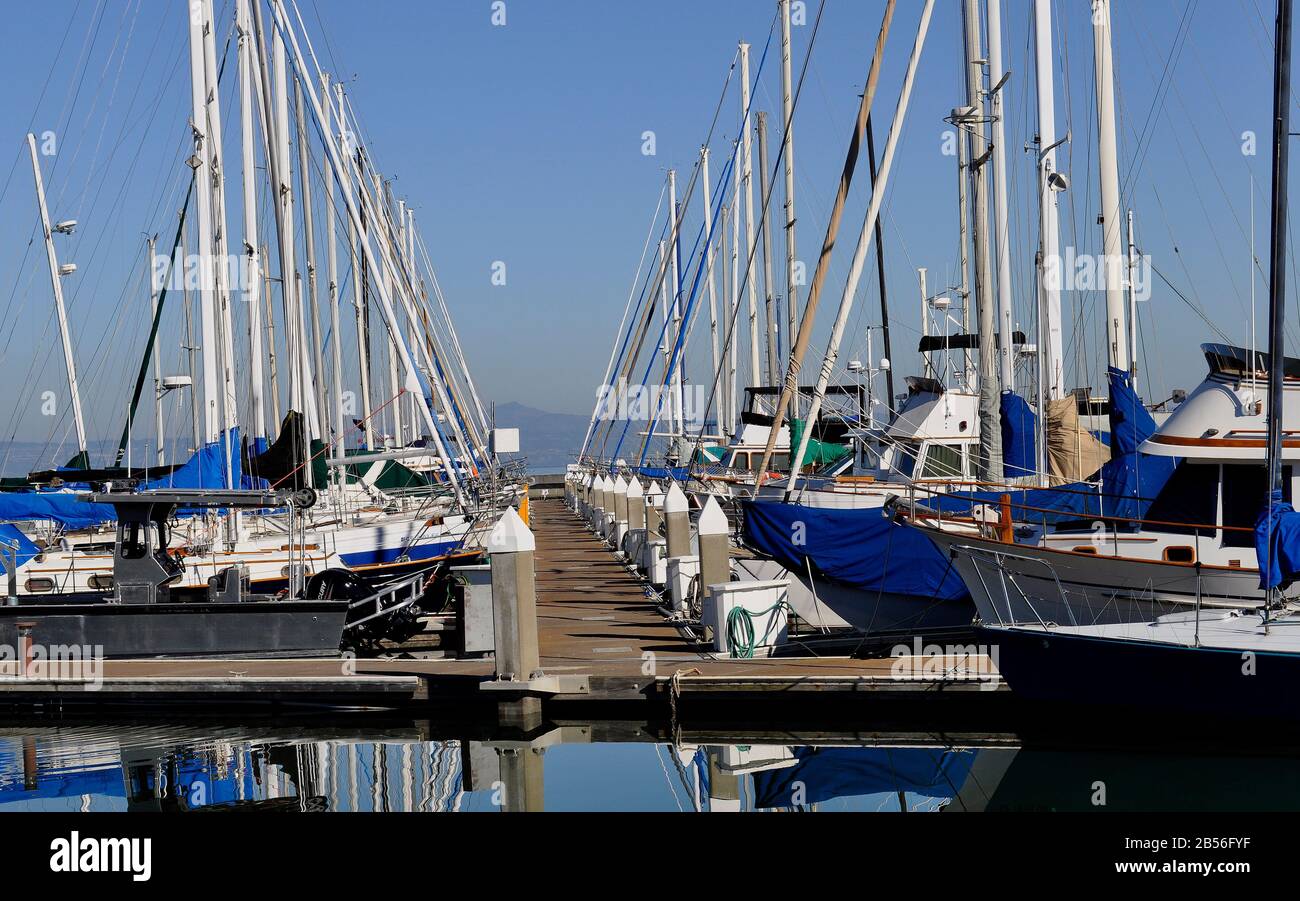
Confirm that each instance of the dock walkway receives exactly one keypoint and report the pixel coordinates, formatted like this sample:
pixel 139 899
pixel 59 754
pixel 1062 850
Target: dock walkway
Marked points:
pixel 599 631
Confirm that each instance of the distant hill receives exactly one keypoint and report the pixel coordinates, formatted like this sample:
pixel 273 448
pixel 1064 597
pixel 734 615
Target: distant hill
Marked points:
pixel 550 441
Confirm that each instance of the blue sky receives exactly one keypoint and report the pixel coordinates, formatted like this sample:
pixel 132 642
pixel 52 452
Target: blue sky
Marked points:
pixel 522 144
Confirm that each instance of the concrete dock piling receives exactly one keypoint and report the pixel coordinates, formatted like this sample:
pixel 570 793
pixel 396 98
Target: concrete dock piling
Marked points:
pixel 654 503
pixel 714 534
pixel 620 513
pixel 677 516
pixel 514 613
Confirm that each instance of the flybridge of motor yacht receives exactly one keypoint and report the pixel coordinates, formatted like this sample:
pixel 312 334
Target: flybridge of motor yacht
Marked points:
pixel 1225 419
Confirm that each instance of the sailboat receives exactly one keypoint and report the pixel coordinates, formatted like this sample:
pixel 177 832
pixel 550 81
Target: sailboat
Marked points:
pixel 1240 661
pixel 369 512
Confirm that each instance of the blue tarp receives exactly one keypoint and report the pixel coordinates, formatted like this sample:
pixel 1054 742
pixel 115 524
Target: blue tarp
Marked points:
pixel 206 469
pixel 1129 480
pixel 11 534
pixel 1279 565
pixel 1019 430
pixel 825 773
pixel 861 548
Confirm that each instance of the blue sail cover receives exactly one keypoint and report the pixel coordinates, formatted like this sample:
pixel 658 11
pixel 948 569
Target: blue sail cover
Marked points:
pixel 206 469
pixel 1277 543
pixel 1019 431
pixel 822 774
pixel 862 548
pixel 1129 480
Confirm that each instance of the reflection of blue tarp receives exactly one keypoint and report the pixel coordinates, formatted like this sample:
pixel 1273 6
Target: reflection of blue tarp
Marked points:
pixel 206 469
pixel 861 548
pixel 1019 427
pixel 1129 480
pixel 1281 567
pixel 827 773
pixel 66 784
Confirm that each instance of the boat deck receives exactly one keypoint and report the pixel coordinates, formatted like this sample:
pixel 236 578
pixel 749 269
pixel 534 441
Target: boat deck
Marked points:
pixel 599 630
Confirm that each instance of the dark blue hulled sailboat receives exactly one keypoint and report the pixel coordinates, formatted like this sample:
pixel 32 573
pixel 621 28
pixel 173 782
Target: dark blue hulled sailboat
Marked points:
pixel 1217 662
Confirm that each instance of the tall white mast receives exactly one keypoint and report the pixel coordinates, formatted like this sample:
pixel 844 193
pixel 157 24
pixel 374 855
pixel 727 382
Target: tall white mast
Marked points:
pixel 203 213
pixel 385 301
pixel 1051 352
pixel 253 260
pixel 56 281
pixel 358 299
pixel 1002 233
pixel 671 334
pixel 765 226
pixel 313 363
pixel 221 271
pixel 338 435
pixel 708 263
pixel 284 195
pixel 1131 283
pixel 747 178
pixel 1108 168
pixel 787 115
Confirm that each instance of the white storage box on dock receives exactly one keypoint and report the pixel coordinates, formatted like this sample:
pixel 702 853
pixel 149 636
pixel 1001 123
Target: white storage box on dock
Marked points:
pixel 478 635
pixel 681 570
pixel 652 561
pixel 768 606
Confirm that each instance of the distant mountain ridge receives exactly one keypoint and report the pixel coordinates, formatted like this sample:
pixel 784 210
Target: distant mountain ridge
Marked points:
pixel 549 441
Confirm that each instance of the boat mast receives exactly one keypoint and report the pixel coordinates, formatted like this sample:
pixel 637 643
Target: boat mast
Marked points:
pixel 790 389
pixel 56 281
pixel 1108 167
pixel 253 263
pixel 860 253
pixel 787 115
pixel 350 153
pixel 673 335
pixel 747 178
pixel 338 435
pixel 314 365
pixel 1131 285
pixel 1277 245
pixel 203 209
pixel 157 366
pixel 765 228
pixel 880 271
pixel 221 272
pixel 1050 183
pixel 989 467
pixel 1002 234
pixel 708 263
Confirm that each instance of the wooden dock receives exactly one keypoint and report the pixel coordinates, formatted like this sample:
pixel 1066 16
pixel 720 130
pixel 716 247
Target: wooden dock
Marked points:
pixel 601 637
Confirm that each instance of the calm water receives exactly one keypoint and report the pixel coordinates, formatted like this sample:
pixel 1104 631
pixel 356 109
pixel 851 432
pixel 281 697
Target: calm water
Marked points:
pixel 80 767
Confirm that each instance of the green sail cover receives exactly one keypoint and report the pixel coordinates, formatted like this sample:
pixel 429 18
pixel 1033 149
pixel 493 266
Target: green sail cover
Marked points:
pixel 819 453
pixel 393 477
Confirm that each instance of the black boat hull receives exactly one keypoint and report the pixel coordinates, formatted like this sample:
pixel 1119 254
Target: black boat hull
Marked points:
pixel 1147 678
pixel 188 629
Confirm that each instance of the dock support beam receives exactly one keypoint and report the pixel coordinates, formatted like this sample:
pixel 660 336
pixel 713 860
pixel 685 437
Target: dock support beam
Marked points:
pixel 715 565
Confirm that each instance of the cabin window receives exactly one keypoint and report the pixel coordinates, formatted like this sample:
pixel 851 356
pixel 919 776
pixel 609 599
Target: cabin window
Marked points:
pixel 1190 498
pixel 781 462
pixel 39 586
pixel 903 459
pixel 942 461
pixel 1245 491
pixel 102 582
